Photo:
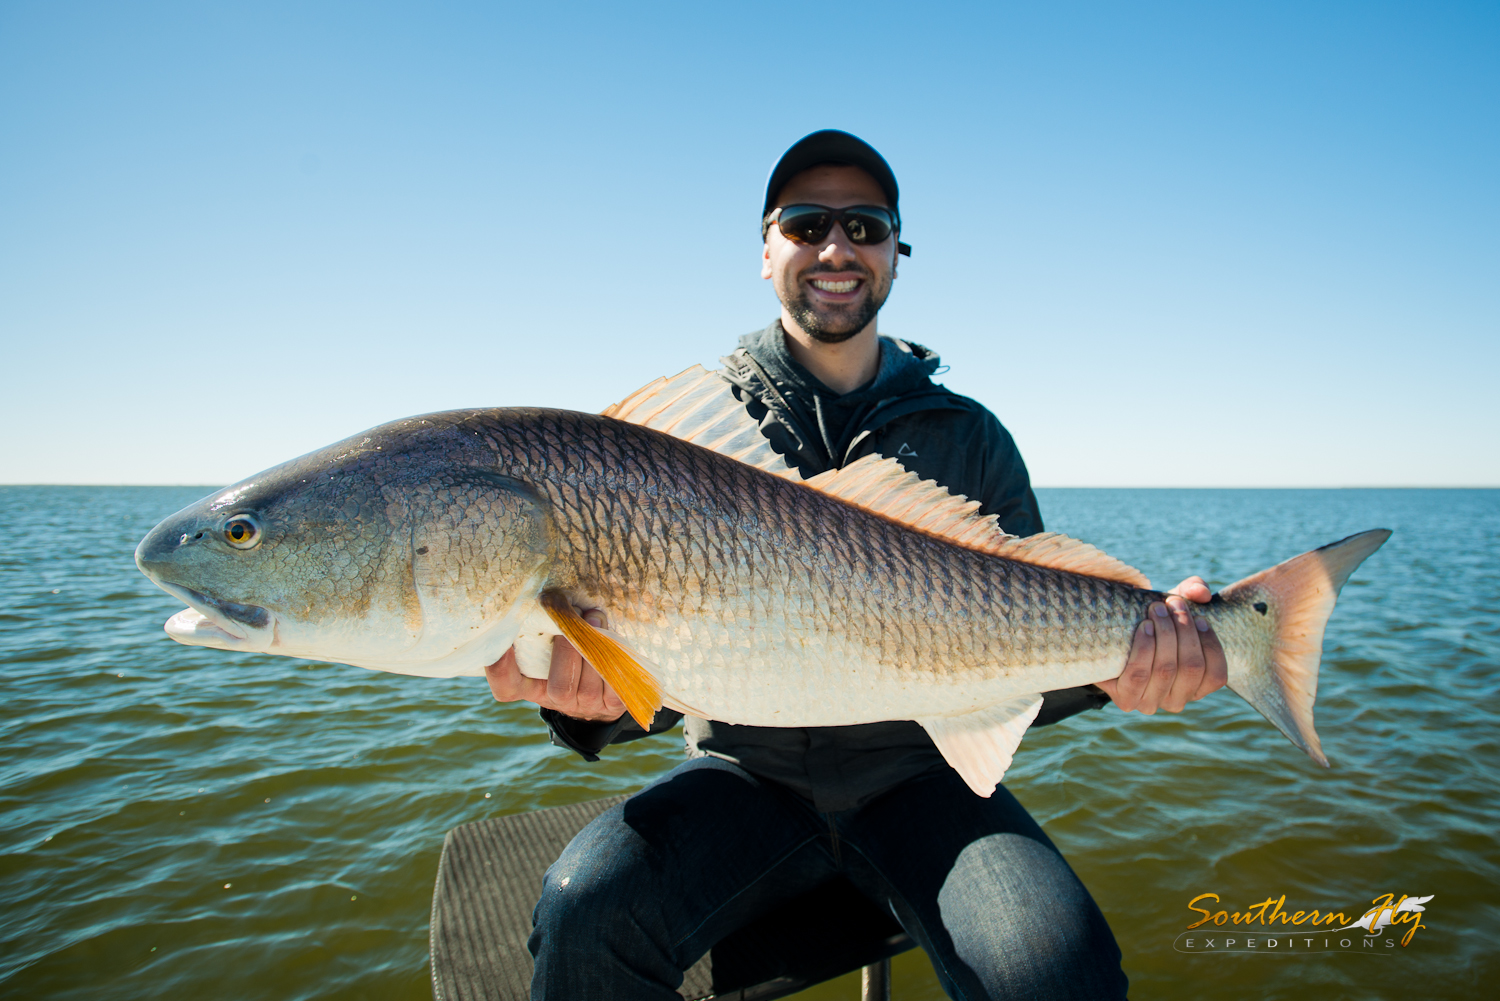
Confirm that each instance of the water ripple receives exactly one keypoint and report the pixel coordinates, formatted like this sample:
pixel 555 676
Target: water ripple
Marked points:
pixel 191 823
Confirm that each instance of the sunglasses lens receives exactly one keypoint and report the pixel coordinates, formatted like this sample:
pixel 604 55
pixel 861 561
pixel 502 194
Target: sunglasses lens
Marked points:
pixel 805 223
pixel 866 225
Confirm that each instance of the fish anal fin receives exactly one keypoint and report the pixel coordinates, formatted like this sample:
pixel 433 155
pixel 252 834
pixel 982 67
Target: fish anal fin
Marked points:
pixel 632 682
pixel 980 744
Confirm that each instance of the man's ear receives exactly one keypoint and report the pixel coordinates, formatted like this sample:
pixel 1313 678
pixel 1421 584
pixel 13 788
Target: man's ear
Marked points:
pixel 765 259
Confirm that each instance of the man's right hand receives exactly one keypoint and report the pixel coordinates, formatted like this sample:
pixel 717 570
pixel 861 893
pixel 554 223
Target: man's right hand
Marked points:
pixel 572 686
pixel 1175 657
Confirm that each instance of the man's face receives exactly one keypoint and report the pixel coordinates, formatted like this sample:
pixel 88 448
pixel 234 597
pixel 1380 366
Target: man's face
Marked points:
pixel 832 288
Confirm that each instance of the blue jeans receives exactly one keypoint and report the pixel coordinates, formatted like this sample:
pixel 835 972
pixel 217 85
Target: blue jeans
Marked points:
pixel 653 883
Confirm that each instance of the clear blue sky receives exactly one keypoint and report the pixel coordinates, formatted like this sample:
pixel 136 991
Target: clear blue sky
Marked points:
pixel 1168 244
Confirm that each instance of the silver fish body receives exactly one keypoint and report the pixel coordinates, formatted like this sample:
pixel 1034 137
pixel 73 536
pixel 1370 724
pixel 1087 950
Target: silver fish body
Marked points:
pixel 426 546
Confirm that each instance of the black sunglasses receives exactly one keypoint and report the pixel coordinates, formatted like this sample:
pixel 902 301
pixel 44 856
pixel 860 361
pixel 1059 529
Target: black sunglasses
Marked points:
pixel 865 225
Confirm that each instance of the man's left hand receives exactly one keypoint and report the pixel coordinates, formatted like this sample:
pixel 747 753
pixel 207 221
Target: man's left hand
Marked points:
pixel 1175 657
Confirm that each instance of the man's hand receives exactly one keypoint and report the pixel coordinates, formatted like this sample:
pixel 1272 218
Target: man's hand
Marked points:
pixel 572 686
pixel 1175 657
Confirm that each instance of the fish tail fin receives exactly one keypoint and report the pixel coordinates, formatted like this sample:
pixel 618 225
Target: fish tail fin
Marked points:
pixel 1297 596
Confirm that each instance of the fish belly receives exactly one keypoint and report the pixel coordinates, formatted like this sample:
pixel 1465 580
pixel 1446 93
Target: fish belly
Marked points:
pixel 749 675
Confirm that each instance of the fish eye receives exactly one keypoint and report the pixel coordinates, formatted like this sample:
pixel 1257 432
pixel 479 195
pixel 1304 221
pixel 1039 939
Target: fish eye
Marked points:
pixel 242 532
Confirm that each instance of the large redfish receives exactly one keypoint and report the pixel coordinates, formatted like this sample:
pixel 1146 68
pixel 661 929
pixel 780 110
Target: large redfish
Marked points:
pixel 432 545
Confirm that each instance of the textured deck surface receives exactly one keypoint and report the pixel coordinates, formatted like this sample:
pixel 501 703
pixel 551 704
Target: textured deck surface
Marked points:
pixel 491 875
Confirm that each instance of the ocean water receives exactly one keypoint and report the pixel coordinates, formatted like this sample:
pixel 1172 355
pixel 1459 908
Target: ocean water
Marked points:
pixel 197 824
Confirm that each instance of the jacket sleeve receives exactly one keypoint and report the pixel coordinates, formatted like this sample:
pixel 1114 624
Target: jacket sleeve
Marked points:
pixel 1008 494
pixel 588 738
pixel 1007 489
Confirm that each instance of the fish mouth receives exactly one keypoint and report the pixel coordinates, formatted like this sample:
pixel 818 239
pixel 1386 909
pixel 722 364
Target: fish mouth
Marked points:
pixel 208 621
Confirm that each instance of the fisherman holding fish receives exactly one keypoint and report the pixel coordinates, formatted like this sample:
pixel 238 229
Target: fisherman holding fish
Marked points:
pixel 760 815
pixel 806 555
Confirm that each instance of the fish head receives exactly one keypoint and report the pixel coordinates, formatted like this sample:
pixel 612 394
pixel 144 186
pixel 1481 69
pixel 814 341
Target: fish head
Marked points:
pixel 391 550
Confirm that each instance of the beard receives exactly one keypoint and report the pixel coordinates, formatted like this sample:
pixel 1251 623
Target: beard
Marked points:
pixel 833 324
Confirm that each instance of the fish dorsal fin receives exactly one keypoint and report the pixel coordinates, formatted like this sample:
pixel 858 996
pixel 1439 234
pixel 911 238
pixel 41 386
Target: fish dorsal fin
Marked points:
pixel 882 486
pixel 697 405
pixel 1059 552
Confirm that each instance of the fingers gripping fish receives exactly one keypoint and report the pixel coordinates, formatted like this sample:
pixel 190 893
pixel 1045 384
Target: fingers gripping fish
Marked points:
pixel 735 591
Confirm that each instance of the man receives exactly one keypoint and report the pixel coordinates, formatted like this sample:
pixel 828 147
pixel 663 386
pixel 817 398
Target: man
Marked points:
pixel 757 816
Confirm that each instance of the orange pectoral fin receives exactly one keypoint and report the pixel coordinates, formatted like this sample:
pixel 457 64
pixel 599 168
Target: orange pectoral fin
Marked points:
pixel 632 682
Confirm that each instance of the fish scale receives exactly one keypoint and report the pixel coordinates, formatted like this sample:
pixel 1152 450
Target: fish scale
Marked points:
pixel 878 575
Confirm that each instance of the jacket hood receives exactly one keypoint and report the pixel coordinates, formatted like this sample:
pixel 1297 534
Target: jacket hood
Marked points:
pixel 810 424
pixel 905 368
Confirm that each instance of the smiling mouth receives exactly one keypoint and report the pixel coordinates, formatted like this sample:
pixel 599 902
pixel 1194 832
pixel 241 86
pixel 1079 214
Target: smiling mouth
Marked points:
pixel 837 288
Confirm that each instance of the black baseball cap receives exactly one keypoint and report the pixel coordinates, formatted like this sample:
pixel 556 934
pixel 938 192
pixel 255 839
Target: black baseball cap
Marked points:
pixel 834 146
